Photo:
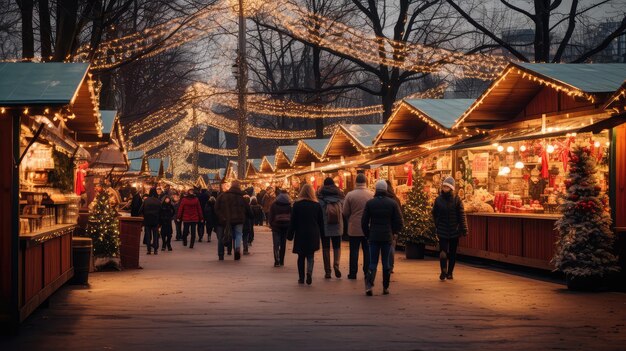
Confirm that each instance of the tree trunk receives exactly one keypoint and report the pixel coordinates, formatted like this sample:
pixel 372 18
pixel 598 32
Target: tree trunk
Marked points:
pixel 542 30
pixel 389 94
pixel 67 11
pixel 317 75
pixel 28 38
pixel 97 27
pixel 45 30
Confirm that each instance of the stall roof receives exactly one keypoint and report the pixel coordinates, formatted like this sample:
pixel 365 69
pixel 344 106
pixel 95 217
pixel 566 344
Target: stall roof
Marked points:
pixel 136 159
pixel 351 139
pixel 310 150
pixel 155 165
pixel 52 84
pixel 284 156
pixel 108 120
pixel 519 83
pixel 618 99
pixel 267 164
pixel 421 119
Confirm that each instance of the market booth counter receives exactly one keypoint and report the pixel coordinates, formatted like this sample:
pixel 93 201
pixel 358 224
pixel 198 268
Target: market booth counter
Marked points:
pixel 511 174
pixel 42 108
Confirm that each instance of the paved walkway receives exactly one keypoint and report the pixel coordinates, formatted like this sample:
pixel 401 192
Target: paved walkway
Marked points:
pixel 188 300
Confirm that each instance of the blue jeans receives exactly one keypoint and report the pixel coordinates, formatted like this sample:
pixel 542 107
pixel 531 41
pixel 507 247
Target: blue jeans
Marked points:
pixel 237 231
pixel 379 249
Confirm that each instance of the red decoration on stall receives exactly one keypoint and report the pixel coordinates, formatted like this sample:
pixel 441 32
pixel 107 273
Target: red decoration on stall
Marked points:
pixel 340 180
pixel 376 174
pixel 81 172
pixel 409 180
pixel 544 164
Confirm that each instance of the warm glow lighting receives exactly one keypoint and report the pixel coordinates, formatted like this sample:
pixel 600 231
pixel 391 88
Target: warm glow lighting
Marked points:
pixel 550 149
pixel 510 149
pixel 500 148
pixel 2 110
pixel 596 144
pixel 522 148
pixel 267 184
pixel 506 170
pixel 346 174
pixel 519 164
pixel 495 144
pixel 607 143
pixel 312 179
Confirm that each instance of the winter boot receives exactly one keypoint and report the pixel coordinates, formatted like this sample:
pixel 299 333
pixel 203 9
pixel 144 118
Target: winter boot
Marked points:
pixel 369 282
pixel 336 261
pixel 276 258
pixel 386 280
pixel 443 262
pixel 326 256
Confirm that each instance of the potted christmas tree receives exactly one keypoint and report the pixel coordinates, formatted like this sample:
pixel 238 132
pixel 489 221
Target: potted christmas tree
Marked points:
pixel 419 227
pixel 103 229
pixel 584 250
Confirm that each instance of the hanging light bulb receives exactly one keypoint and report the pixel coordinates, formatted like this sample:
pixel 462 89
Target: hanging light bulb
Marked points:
pixel 522 148
pixel 519 164
pixel 550 148
pixel 596 144
pixel 506 170
pixel 500 148
pixel 510 149
pixel 312 179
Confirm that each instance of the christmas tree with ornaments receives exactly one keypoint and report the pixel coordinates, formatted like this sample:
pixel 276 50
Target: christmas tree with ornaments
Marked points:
pixel 585 245
pixel 419 226
pixel 103 227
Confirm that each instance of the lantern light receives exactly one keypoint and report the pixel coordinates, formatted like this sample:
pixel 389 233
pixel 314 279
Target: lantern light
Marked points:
pixel 519 164
pixel 510 149
pixel 522 148
pixel 550 148
pixel 596 144
pixel 506 170
pixel 495 145
pixel 500 148
pixel 312 179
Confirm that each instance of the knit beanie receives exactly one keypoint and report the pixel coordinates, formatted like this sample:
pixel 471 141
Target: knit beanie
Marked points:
pixel 449 181
pixel 329 181
pixel 360 178
pixel 381 185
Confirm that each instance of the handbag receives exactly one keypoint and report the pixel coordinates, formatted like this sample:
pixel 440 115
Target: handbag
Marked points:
pixel 227 236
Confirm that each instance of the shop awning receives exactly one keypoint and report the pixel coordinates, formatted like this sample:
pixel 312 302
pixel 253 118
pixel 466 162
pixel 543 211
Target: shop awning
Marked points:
pixel 418 120
pixel 110 157
pixel 532 133
pixel 520 83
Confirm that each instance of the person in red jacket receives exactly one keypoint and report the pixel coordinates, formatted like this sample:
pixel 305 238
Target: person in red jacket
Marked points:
pixel 190 213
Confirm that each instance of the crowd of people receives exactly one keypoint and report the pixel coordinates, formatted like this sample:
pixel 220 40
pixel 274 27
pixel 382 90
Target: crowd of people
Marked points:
pixel 314 220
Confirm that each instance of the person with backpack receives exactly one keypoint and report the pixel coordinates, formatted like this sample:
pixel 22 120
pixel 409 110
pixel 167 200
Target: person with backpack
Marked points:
pixel 150 209
pixel 166 216
pixel 280 218
pixel 353 207
pixel 230 208
pixel 257 210
pixel 451 223
pixel 190 213
pixel 268 200
pixel 381 220
pixel 210 219
pixel 331 199
pixel 306 226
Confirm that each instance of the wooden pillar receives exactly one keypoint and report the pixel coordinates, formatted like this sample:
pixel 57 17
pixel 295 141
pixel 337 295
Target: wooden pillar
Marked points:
pixel 617 190
pixel 9 217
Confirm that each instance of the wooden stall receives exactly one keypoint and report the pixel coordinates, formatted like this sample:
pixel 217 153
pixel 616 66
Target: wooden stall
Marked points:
pixel 512 170
pixel 43 110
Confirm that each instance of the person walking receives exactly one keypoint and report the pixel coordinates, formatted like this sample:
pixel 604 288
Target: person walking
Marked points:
pixel 381 220
pixel 248 226
pixel 353 207
pixel 280 218
pixel 190 213
pixel 451 223
pixel 136 202
pixel 210 219
pixel 257 210
pixel 306 227
pixel 178 224
pixel 166 216
pixel 150 210
pixel 331 199
pixel 203 198
pixel 268 200
pixel 230 209
pixel 392 253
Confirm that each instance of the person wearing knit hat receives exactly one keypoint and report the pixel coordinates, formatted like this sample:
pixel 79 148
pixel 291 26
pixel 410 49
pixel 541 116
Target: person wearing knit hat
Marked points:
pixel 381 220
pixel 353 207
pixel 451 223
pixel 331 199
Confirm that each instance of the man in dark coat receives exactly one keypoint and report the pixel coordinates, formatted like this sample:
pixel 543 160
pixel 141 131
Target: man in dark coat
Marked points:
pixel 135 204
pixel 151 209
pixel 450 221
pixel 280 217
pixel 381 220
pixel 203 197
pixel 231 210
pixel 330 196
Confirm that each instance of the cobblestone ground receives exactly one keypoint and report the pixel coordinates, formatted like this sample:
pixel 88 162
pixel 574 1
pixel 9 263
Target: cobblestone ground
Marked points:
pixel 188 300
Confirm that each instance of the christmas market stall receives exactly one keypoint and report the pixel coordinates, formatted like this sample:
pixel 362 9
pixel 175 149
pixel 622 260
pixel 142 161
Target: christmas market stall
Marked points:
pixel 44 109
pixel 517 168
pixel 308 154
pixel 418 129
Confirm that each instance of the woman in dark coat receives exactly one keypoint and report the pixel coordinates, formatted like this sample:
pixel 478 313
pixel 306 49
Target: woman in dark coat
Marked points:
pixel 305 229
pixel 166 216
pixel 450 221
pixel 257 210
pixel 210 219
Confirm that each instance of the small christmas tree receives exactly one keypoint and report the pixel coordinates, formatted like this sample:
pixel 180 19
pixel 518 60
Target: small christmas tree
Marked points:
pixel 103 227
pixel 584 249
pixel 419 227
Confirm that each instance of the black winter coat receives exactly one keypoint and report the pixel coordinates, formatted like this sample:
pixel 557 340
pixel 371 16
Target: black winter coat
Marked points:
pixel 280 206
pixel 306 227
pixel 449 216
pixel 381 218
pixel 248 224
pixel 151 210
pixel 209 215
pixel 165 217
pixel 135 206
